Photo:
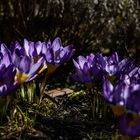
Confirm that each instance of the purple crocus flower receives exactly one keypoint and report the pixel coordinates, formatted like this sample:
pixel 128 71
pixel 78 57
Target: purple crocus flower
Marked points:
pixel 115 96
pixel 129 125
pixel 7 71
pixel 83 69
pixel 116 67
pixel 123 95
pixel 34 50
pixel 27 60
pixel 55 54
pixel 88 69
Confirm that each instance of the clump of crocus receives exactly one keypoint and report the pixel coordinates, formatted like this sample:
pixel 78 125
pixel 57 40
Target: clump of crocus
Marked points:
pixel 100 67
pixel 27 60
pixel 115 96
pixel 55 54
pixel 88 70
pixel 7 71
pixel 122 97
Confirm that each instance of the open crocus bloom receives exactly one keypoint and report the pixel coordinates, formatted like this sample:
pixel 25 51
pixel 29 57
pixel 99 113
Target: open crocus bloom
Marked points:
pixel 83 69
pixel 113 96
pixel 27 60
pixel 122 95
pixel 7 71
pixel 55 54
pixel 34 50
pixel 88 69
pixel 116 67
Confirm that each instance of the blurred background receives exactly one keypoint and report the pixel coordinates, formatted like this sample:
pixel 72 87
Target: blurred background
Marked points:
pixel 90 25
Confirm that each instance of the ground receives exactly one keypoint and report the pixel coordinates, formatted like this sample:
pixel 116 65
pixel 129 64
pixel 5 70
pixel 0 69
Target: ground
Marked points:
pixel 65 115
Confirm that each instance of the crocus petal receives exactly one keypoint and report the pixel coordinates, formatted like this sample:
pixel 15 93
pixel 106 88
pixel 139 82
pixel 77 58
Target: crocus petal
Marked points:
pixel 26 46
pixel 44 48
pixel 120 94
pixel 3 88
pixel 38 46
pixel 5 55
pixel 76 64
pixel 36 68
pixel 56 45
pixel 9 74
pixel 66 53
pixel 113 59
pixel 32 50
pixel 24 64
pixel 100 61
pixel 19 50
pixel 81 61
pixel 107 91
pixel 90 58
pixel 85 68
pixel 7 71
pixel 50 56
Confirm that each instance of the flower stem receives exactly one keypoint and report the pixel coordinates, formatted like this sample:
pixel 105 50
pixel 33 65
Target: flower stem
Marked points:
pixel 43 86
pixel 51 69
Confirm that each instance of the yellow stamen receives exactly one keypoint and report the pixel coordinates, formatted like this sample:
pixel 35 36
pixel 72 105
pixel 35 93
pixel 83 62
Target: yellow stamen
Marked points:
pixel 21 77
pixel 43 68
